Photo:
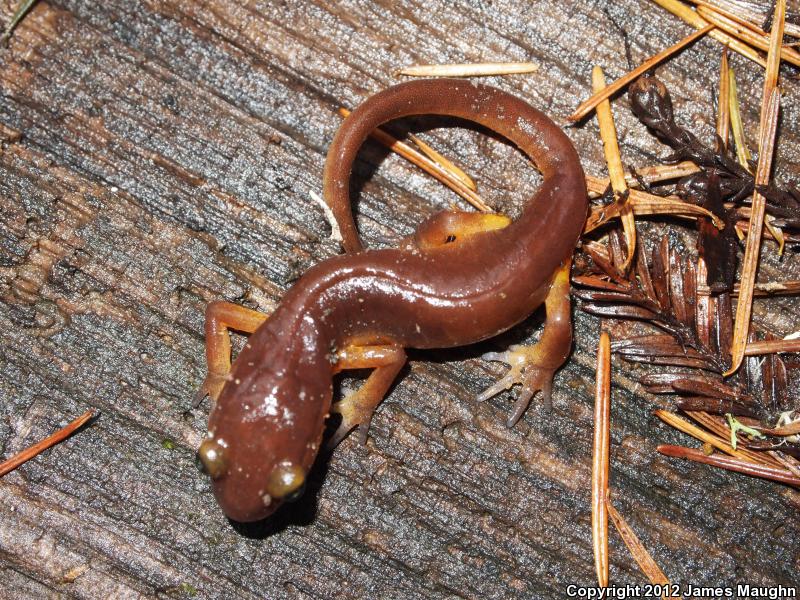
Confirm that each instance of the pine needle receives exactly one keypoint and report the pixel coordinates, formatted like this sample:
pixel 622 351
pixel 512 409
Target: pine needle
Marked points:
pixel 731 464
pixel 737 127
pixel 469 69
pixel 770 107
pixel 771 347
pixel 657 173
pixel 679 9
pixel 600 459
pixel 724 101
pixel 587 105
pixel 772 288
pixel 649 174
pixel 19 13
pixel 637 549
pixel 702 435
pixel 747 34
pixel 616 174
pixel 450 179
pixel 720 428
pixel 445 162
pixel 59 436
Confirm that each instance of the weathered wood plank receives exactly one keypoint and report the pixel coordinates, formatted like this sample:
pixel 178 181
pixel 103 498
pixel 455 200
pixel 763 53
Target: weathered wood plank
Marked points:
pixel 156 156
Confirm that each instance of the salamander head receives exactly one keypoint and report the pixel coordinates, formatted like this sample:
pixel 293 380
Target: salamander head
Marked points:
pixel 263 437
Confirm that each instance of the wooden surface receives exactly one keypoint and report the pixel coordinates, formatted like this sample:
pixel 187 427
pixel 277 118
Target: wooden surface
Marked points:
pixel 159 155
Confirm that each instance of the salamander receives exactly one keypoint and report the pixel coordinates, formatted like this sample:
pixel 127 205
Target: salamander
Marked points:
pixel 461 278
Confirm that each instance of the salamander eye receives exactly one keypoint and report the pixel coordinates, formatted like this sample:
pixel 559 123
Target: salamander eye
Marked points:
pixel 286 482
pixel 212 458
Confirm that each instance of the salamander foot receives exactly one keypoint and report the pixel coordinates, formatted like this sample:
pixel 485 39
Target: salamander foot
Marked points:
pixel 211 387
pixel 221 317
pixel 358 407
pixel 533 367
pixel 524 371
pixel 356 411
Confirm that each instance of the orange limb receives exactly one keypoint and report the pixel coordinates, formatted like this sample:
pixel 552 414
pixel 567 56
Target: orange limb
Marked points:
pixel 221 317
pixel 450 227
pixel 358 407
pixel 533 367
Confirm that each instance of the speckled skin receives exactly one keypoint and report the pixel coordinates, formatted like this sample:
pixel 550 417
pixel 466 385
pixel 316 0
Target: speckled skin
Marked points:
pixel 274 406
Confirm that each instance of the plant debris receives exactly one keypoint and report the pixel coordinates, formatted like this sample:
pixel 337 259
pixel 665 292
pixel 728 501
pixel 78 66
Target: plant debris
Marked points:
pixel 681 10
pixel 605 93
pixel 22 457
pixel 19 13
pixel 692 341
pixel 600 459
pixel 616 173
pixel 697 341
pixel 469 69
pixel 432 163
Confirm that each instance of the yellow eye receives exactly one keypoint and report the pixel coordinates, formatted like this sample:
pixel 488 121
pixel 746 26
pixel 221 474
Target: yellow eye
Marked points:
pixel 286 482
pixel 212 458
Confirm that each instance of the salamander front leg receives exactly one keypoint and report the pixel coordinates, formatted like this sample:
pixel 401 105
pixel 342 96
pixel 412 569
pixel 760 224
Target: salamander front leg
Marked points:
pixel 357 408
pixel 534 366
pixel 221 317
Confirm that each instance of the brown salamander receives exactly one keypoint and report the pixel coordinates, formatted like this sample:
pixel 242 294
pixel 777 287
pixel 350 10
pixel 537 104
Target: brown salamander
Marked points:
pixel 463 277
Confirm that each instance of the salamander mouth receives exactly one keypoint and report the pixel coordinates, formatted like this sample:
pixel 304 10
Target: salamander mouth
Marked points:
pixel 244 508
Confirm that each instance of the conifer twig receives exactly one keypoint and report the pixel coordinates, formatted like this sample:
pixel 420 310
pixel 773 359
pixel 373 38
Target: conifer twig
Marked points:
pixel 642 203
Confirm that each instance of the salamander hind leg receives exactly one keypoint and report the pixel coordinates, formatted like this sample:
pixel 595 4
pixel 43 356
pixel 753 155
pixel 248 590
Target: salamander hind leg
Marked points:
pixel 357 407
pixel 533 367
pixel 221 317
pixel 450 227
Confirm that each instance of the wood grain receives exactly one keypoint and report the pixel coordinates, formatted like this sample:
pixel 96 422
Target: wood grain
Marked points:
pixel 158 155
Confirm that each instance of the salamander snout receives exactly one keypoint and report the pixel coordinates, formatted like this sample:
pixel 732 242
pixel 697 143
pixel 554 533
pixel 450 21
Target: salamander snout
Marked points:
pixel 249 494
pixel 264 434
